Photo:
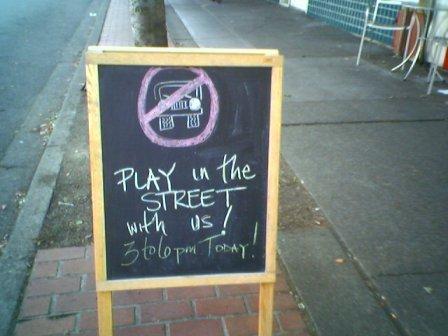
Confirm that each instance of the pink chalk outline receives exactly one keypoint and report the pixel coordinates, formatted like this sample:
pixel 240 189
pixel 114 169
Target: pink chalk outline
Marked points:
pixel 145 117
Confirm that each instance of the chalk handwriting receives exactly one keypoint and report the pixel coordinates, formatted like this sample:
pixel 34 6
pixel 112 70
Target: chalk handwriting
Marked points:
pixel 144 226
pixel 158 193
pixel 231 171
pixel 203 174
pixel 162 251
pixel 150 182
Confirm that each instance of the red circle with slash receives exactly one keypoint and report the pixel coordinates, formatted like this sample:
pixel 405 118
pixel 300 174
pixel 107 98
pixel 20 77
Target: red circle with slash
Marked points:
pixel 145 117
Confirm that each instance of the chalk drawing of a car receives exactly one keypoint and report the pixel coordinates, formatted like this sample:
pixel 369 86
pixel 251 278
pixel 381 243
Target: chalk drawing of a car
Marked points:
pixel 189 107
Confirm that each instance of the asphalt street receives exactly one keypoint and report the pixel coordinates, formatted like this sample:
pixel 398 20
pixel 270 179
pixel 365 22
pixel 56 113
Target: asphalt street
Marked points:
pixel 42 74
pixel 33 37
pixel 39 51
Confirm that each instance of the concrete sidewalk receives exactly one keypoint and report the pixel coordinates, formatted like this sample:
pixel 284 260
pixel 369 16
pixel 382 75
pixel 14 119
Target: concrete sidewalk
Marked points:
pixel 371 149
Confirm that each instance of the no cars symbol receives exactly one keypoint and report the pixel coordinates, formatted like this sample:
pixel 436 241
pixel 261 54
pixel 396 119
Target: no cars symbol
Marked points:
pixel 171 102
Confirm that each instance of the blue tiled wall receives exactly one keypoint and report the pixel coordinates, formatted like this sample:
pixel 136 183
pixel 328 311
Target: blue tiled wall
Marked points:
pixel 349 15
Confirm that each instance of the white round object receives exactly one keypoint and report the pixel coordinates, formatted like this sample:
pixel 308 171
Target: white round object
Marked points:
pixel 194 104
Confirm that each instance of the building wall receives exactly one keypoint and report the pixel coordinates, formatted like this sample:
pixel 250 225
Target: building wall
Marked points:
pixel 349 15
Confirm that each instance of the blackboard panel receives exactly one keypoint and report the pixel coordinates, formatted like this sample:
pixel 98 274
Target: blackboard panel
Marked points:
pixel 214 115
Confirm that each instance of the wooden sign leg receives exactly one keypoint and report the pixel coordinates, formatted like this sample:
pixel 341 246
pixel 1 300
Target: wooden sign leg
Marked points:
pixel 266 305
pixel 105 323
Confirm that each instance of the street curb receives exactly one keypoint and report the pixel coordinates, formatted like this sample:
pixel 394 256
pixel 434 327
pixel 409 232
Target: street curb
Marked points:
pixel 21 247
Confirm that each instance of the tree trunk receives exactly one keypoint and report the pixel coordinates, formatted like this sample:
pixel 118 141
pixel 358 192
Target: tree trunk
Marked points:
pixel 148 22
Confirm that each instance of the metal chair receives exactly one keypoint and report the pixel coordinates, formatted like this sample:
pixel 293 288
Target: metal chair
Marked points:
pixel 372 23
pixel 439 42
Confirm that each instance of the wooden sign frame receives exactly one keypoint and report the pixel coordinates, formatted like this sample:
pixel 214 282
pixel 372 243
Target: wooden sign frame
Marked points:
pixel 96 56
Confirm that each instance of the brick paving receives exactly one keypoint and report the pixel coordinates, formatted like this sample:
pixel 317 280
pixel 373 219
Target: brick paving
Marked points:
pixel 60 300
